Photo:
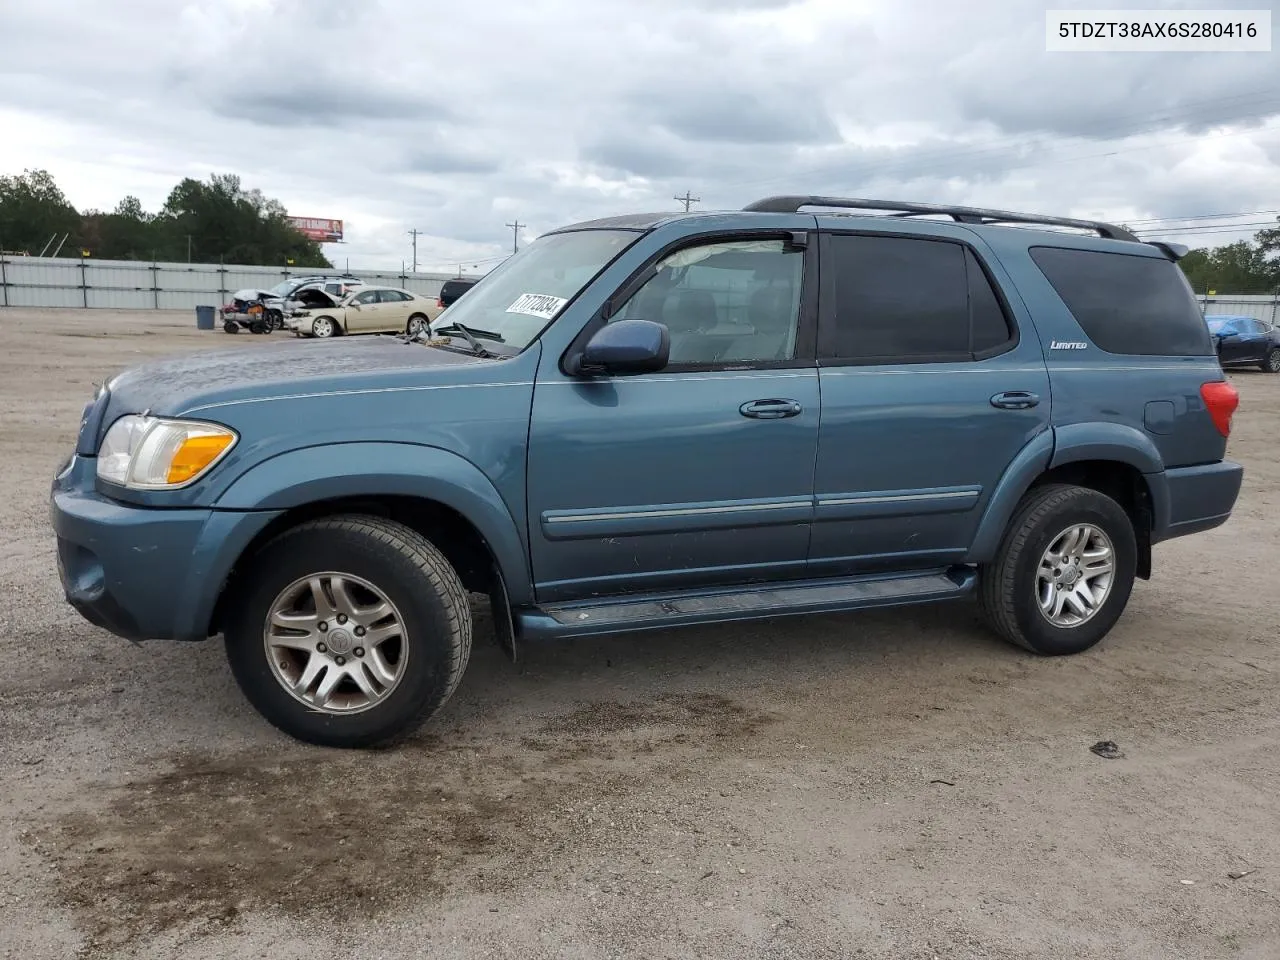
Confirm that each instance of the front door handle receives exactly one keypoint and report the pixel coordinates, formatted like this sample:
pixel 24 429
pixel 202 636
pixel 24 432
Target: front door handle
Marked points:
pixel 770 409
pixel 1015 400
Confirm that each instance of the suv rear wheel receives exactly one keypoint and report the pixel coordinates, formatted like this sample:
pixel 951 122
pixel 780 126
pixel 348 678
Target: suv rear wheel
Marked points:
pixel 1064 572
pixel 350 631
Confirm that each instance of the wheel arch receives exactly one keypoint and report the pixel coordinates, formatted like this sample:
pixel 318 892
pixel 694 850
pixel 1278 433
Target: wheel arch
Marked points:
pixel 433 491
pixel 462 544
pixel 1102 457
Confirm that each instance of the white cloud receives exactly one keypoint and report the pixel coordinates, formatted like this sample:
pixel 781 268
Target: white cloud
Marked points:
pixel 458 118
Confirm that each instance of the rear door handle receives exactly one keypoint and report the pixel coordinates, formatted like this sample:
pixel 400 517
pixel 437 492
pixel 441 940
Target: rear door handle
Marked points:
pixel 770 409
pixel 1015 400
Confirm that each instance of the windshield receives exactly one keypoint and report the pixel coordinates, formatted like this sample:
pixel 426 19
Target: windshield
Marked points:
pixel 523 294
pixel 280 289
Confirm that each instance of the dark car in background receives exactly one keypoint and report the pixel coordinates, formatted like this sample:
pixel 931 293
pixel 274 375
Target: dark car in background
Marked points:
pixel 1245 342
pixel 453 289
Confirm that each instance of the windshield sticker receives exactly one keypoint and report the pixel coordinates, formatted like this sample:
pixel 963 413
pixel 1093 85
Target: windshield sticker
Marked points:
pixel 537 305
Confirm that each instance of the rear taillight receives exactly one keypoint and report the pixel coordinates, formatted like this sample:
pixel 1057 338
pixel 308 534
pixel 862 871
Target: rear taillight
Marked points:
pixel 439 303
pixel 1220 399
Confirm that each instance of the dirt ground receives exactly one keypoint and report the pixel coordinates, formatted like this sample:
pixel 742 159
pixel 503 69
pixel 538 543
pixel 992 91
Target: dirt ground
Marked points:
pixel 894 784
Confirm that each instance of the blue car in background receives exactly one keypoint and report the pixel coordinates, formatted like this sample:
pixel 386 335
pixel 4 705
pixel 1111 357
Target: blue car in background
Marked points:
pixel 1245 342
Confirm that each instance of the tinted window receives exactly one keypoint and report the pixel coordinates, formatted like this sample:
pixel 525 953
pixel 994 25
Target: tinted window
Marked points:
pixel 898 298
pixel 990 326
pixel 369 296
pixel 1127 304
pixel 392 296
pixel 731 302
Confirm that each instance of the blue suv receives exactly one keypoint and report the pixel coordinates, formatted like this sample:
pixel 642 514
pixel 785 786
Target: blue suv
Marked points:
pixel 810 405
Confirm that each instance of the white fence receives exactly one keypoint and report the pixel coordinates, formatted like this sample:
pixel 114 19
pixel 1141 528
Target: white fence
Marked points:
pixel 139 285
pixel 1260 308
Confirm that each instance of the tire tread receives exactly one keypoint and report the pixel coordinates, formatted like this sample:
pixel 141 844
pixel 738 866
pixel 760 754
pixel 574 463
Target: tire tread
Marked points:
pixel 358 530
pixel 996 584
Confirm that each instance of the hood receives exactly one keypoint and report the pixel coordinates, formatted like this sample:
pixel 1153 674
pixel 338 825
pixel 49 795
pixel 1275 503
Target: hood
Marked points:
pixel 179 384
pixel 313 297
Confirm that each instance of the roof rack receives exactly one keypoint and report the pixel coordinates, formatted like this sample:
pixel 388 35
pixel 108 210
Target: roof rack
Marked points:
pixel 977 215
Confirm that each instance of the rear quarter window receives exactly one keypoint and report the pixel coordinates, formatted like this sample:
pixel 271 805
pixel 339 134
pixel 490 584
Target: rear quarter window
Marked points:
pixel 1127 304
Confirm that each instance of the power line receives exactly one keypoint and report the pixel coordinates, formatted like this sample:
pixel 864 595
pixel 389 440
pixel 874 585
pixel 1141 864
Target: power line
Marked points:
pixel 1205 216
pixel 688 200
pixel 453 262
pixel 515 235
pixel 1202 233
pixel 1208 228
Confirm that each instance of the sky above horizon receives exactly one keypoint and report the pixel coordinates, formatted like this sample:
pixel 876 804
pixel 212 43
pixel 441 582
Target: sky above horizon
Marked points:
pixel 457 119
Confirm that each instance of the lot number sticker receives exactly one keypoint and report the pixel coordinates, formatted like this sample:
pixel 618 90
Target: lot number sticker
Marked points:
pixel 538 305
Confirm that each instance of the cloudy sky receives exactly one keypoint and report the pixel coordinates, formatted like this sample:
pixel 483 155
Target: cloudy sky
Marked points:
pixel 458 118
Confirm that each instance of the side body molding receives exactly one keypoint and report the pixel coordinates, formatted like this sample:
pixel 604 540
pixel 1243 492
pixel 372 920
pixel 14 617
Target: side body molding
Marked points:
pixel 390 469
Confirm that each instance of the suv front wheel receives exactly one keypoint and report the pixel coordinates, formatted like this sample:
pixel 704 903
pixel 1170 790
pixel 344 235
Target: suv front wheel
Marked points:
pixel 1064 572
pixel 349 631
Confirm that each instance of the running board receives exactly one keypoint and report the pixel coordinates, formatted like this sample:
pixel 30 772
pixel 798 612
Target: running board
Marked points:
pixel 656 612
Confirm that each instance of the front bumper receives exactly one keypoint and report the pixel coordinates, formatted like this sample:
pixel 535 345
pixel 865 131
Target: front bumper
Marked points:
pixel 144 573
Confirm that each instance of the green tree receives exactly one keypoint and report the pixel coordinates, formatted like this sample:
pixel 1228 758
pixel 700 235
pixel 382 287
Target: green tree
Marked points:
pixel 214 220
pixel 1269 245
pixel 1241 267
pixel 127 233
pixel 33 209
pixel 224 220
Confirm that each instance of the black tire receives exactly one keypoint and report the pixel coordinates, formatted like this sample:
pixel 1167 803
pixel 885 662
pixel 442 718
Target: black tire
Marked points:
pixel 418 320
pixel 1271 363
pixel 333 327
pixel 413 575
pixel 230 326
pixel 1007 586
pixel 275 320
pixel 259 327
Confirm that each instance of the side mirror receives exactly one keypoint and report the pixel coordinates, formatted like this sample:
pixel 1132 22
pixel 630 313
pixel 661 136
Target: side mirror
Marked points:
pixel 627 346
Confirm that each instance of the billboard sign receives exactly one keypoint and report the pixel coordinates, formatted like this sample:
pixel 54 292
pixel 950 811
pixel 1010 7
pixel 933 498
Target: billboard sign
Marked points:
pixel 321 231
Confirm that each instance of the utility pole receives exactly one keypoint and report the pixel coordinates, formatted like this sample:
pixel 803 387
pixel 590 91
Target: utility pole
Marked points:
pixel 515 235
pixel 414 233
pixel 188 248
pixel 688 200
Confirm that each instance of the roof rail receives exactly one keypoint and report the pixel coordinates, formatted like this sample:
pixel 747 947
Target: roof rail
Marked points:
pixel 977 215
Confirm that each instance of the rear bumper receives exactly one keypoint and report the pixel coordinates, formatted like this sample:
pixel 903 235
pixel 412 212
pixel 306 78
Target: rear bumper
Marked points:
pixel 1193 499
pixel 144 573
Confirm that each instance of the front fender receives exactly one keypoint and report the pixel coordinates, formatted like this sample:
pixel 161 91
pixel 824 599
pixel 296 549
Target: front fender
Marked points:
pixel 369 469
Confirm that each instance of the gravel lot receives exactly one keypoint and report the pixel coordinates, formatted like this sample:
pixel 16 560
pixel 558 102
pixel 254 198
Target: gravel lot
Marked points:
pixel 881 785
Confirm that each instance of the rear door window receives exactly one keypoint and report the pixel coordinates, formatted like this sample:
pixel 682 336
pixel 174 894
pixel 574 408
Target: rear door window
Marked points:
pixel 907 300
pixel 1127 304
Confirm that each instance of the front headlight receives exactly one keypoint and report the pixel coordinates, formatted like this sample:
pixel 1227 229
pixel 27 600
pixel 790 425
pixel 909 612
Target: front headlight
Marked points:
pixel 149 453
